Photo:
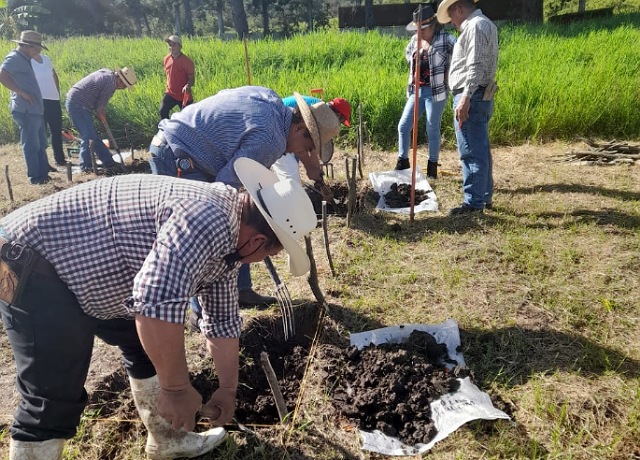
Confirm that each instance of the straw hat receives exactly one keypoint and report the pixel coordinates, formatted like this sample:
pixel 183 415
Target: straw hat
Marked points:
pixel 428 18
pixel 127 75
pixel 174 39
pixel 322 123
pixel 30 37
pixel 285 206
pixel 443 14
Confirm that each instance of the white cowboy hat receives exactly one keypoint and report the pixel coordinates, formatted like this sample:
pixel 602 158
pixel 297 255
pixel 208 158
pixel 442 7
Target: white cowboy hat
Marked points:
pixel 285 206
pixel 322 123
pixel 443 14
pixel 127 75
pixel 30 37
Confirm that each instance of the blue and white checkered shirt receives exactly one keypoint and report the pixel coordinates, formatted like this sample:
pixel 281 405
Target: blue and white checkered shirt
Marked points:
pixel 250 122
pixel 141 244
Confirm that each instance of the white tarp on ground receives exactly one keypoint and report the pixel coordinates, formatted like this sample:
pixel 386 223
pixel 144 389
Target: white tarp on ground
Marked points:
pixel 75 169
pixel 450 411
pixel 382 181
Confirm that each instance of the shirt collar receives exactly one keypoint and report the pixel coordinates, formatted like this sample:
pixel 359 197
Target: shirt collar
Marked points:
pixel 477 12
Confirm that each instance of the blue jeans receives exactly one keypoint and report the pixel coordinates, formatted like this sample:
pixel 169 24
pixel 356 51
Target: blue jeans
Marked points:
pixel 83 121
pixel 434 111
pixel 163 163
pixel 475 151
pixel 33 138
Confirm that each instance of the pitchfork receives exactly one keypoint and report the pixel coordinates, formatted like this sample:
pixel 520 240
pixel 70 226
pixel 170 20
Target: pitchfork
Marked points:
pixel 284 300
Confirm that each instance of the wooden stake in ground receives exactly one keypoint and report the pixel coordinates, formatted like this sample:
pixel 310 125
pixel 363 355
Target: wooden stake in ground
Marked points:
pixel 246 59
pixel 69 174
pixel 351 185
pixel 416 100
pixel 6 176
pixel 94 165
pixel 325 232
pixel 273 384
pixel 312 279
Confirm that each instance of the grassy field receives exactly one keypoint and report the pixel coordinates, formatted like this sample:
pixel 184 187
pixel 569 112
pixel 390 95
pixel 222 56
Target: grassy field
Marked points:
pixel 556 82
pixel 545 289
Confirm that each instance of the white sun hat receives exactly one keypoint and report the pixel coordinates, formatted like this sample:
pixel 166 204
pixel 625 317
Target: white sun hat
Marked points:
pixel 285 206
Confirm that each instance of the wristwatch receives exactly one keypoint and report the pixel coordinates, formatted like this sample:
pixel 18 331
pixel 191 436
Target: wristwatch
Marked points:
pixel 184 164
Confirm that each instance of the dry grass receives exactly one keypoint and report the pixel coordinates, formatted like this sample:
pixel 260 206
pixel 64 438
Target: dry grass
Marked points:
pixel 545 288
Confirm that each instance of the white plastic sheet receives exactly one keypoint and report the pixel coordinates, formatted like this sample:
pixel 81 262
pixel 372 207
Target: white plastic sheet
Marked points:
pixel 382 181
pixel 450 411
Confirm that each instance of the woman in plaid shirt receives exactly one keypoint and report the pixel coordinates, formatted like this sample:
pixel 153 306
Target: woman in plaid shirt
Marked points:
pixel 435 56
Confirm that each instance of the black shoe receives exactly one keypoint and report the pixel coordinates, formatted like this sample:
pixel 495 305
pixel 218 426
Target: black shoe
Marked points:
pixel 403 163
pixel 194 321
pixel 41 181
pixel 52 169
pixel 464 209
pixel 432 170
pixel 249 298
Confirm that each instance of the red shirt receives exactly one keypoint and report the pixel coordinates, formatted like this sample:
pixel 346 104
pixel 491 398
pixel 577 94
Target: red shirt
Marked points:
pixel 178 71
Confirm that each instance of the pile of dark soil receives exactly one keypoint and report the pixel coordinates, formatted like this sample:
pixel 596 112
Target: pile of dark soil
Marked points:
pixel 338 207
pixel 389 387
pixel 399 196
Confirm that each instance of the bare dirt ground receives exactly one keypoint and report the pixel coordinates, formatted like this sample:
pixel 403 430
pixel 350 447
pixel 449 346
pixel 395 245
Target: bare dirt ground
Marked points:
pixel 517 173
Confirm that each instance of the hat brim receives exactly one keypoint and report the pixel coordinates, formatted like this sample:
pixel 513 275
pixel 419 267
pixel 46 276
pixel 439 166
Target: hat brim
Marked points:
pixel 39 45
pixel 254 177
pixel 442 13
pixel 412 27
pixel 118 72
pixel 310 121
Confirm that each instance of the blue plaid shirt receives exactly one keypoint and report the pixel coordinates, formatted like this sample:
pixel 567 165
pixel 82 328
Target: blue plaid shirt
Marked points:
pixel 141 244
pixel 250 122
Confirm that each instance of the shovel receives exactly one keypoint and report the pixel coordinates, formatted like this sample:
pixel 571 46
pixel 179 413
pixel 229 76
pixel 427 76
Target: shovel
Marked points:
pixel 284 300
pixel 112 140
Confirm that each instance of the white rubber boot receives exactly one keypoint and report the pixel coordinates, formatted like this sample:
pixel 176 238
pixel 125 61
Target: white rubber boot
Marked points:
pixel 163 442
pixel 39 450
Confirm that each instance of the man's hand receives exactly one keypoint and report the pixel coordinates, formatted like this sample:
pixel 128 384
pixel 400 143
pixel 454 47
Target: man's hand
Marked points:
pixel 221 407
pixel 28 97
pixel 179 407
pixel 462 110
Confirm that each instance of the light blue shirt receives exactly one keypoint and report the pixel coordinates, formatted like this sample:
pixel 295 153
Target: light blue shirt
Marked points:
pixel 19 67
pixel 250 121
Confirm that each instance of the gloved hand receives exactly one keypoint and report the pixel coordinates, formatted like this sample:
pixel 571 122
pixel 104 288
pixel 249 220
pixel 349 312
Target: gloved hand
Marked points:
pixel 179 407
pixel 221 407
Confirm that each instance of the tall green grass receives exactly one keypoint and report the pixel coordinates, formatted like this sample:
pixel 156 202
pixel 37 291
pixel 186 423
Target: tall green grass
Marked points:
pixel 556 82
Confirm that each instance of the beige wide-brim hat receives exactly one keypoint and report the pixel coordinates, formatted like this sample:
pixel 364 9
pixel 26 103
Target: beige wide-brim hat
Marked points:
pixel 127 75
pixel 32 38
pixel 443 14
pixel 285 206
pixel 321 121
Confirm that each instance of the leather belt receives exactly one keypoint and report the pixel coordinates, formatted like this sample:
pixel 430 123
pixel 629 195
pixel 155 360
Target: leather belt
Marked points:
pixel 12 252
pixel 455 92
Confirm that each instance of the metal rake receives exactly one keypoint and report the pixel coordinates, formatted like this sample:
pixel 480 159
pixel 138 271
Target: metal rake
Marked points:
pixel 284 300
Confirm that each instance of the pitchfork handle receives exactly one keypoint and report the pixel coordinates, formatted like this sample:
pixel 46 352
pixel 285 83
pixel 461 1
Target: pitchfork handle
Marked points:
pixel 272 270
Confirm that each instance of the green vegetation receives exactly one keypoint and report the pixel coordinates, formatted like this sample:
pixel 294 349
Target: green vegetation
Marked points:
pixel 556 82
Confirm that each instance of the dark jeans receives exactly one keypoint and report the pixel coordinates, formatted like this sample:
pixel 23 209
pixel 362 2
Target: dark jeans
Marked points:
pixel 52 341
pixel 169 103
pixel 53 118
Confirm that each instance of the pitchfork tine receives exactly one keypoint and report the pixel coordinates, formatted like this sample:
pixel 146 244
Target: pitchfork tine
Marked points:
pixel 284 300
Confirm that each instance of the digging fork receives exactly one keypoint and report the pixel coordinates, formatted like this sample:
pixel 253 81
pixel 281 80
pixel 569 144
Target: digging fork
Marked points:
pixel 284 300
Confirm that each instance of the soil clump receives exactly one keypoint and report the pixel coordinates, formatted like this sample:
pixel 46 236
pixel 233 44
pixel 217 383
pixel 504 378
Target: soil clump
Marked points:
pixel 399 196
pixel 389 387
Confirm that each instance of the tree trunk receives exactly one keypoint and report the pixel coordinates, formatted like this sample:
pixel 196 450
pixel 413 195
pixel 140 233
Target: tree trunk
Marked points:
pixel 239 18
pixel 219 12
pixel 582 6
pixel 310 15
pixel 188 18
pixel 368 14
pixel 176 9
pixel 265 18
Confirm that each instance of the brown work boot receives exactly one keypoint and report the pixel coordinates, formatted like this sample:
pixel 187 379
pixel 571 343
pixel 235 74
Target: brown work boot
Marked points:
pixel 249 298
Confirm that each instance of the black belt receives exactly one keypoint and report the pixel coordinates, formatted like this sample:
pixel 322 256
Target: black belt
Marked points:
pixel 22 255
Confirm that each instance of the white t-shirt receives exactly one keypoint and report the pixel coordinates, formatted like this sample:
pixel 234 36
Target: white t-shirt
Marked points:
pixel 44 75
